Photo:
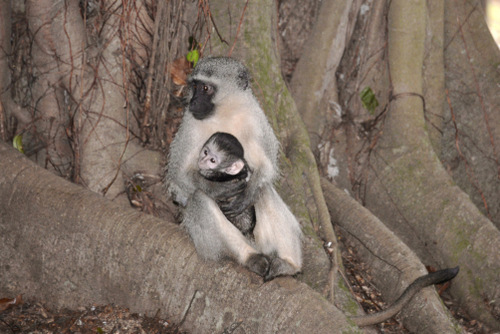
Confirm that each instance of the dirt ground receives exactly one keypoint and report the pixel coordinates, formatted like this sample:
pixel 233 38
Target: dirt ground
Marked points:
pixel 33 317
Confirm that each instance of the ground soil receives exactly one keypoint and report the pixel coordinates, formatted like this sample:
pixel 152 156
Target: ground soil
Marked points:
pixel 33 317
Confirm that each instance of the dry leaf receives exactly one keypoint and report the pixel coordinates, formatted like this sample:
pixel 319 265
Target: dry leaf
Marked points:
pixel 179 71
pixel 5 303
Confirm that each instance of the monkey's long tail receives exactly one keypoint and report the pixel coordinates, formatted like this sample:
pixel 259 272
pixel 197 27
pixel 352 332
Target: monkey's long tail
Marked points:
pixel 437 277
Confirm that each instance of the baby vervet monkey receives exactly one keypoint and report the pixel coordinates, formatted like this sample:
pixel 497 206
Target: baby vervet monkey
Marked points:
pixel 222 160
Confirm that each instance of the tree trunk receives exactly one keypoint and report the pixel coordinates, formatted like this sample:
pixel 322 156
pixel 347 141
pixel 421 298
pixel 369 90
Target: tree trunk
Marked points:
pixel 68 247
pixel 471 135
pixel 314 85
pixel 395 169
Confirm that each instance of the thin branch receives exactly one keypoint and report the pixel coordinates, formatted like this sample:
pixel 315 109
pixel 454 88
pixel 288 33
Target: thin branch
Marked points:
pixel 239 27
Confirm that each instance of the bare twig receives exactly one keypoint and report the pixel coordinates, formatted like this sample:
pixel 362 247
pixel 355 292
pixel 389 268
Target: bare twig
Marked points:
pixel 238 31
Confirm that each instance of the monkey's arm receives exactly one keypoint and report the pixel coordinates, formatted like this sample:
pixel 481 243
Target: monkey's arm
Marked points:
pixel 215 237
pixel 437 277
pixel 217 176
pixel 219 191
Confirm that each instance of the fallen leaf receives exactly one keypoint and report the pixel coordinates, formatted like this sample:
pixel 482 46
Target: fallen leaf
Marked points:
pixel 5 303
pixel 179 71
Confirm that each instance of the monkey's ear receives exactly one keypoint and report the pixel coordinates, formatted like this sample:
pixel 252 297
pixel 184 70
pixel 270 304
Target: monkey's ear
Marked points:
pixel 235 167
pixel 243 79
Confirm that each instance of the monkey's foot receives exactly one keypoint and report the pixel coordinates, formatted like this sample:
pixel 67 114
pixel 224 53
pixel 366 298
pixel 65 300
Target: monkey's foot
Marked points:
pixel 279 267
pixel 258 263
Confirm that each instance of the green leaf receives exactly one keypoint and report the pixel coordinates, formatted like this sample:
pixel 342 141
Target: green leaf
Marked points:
pixel 369 100
pixel 17 142
pixel 193 57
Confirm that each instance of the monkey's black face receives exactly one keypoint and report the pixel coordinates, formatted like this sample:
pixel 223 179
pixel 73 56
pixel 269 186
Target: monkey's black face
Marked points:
pixel 201 105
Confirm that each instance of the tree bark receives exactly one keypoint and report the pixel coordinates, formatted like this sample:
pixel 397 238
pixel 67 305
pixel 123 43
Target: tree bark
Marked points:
pixel 83 127
pixel 471 135
pixel 314 85
pixel 57 52
pixel 69 247
pixel 391 263
pixel 433 74
pixel 7 105
pixel 411 192
pixel 106 128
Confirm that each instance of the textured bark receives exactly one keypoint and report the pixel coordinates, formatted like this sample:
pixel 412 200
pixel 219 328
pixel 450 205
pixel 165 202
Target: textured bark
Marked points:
pixel 471 131
pixel 69 247
pixel 412 193
pixel 392 264
pixel 81 124
pixel 57 55
pixel 385 156
pixel 314 85
pixel 7 105
pixel 433 72
pixel 105 125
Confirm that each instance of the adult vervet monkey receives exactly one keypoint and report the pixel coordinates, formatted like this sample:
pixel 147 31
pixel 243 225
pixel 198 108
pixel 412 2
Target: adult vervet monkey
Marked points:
pixel 221 100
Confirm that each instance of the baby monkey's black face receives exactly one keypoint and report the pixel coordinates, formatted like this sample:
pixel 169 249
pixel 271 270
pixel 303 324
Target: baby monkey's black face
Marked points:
pixel 201 105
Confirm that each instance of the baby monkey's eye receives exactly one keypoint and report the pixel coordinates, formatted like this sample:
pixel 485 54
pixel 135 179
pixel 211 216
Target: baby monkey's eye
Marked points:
pixel 212 160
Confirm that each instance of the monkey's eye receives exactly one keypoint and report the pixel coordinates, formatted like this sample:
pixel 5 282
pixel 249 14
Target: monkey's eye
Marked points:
pixel 208 89
pixel 205 152
pixel 212 160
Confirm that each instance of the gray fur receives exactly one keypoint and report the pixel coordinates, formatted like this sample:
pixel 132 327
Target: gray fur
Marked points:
pixel 277 231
